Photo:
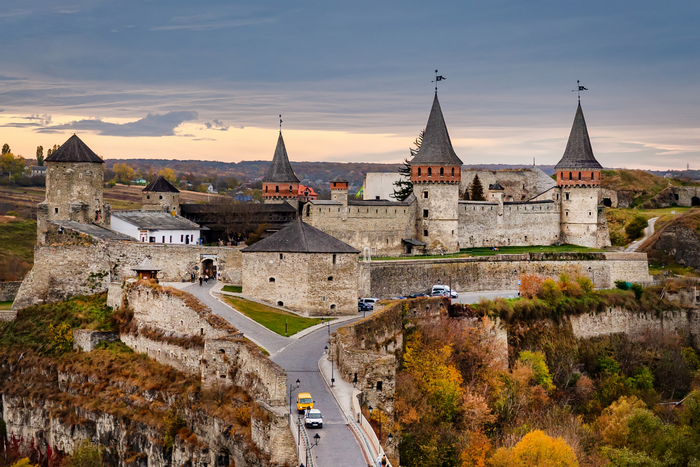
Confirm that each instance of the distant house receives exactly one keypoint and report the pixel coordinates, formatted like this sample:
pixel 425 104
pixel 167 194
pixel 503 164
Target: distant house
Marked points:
pixel 210 188
pixel 156 227
pixel 38 171
pixel 306 193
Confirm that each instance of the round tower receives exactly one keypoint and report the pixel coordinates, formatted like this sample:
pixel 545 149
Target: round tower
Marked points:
pixel 74 184
pixel 161 195
pixel 436 172
pixel 578 180
pixel 280 183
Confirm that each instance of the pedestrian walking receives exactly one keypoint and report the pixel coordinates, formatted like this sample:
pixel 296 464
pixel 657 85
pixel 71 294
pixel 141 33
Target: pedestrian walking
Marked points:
pixel 200 281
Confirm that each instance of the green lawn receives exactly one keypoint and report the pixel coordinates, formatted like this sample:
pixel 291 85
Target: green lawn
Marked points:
pixel 272 318
pixel 502 250
pixel 5 305
pixel 233 288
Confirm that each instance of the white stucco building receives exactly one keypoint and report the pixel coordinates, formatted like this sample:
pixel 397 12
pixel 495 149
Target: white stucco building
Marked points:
pixel 156 227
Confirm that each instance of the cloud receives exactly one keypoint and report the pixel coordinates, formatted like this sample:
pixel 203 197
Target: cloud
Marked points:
pixel 216 124
pixel 211 25
pixel 203 139
pixel 151 125
pixel 42 119
pixel 11 78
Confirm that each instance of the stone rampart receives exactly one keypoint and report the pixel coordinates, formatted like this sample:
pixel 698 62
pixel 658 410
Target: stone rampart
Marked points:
pixel 519 184
pixel 86 340
pixel 384 279
pixel 494 224
pixel 61 270
pixel 8 290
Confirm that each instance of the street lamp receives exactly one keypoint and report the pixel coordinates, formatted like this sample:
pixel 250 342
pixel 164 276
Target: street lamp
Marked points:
pixel 390 438
pixel 292 387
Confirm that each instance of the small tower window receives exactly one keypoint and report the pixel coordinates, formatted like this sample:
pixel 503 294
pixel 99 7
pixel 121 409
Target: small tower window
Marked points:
pixel 330 278
pixel 160 197
pixel 425 195
pixel 430 171
pixel 570 177
pixel 425 213
pixel 453 171
pixel 419 171
pixel 272 279
pixel 55 210
pixel 280 303
pixel 566 196
pixel 579 175
pixel 277 189
pixel 290 189
pixel 334 259
pixel 265 188
pixel 442 171
pixel 281 256
pixel 425 233
pixel 148 197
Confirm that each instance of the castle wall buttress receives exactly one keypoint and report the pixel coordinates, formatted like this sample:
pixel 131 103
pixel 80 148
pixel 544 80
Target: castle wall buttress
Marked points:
pixel 580 216
pixel 437 217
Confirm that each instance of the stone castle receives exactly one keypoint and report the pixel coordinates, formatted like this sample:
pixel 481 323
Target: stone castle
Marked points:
pixel 435 219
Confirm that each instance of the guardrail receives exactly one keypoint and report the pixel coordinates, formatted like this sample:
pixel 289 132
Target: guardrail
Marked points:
pixel 297 423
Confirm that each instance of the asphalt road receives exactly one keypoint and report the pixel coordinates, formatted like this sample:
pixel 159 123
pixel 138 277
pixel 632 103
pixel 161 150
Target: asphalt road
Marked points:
pixel 299 357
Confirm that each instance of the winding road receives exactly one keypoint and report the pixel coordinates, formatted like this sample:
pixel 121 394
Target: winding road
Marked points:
pixel 299 357
pixel 648 232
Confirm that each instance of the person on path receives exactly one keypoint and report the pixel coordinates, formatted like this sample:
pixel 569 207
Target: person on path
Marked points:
pixel 200 281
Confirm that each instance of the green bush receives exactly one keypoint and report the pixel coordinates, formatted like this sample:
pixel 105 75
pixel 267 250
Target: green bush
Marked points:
pixel 635 229
pixel 622 285
pixel 638 290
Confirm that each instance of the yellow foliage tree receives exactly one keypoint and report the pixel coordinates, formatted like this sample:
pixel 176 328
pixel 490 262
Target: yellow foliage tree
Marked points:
pixel 123 173
pixel 536 449
pixel 613 426
pixel 24 462
pixel 474 454
pixel 169 175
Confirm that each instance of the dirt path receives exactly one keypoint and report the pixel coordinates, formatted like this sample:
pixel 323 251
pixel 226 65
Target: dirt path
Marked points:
pixel 648 232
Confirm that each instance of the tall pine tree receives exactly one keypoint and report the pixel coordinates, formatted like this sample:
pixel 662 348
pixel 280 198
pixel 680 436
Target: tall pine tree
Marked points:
pixel 403 187
pixel 477 191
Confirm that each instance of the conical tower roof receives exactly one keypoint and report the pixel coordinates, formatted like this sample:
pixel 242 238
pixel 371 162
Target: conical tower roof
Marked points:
pixel 436 148
pixel 578 153
pixel 161 185
pixel 280 170
pixel 74 150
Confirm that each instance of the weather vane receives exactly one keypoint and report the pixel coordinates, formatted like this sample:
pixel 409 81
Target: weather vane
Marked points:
pixel 437 78
pixel 580 88
pixel 280 123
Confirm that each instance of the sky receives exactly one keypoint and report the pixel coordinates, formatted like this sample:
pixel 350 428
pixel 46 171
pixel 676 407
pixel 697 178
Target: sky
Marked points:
pixel 207 80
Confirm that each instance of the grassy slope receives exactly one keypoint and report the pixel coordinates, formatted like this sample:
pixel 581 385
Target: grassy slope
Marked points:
pixel 619 218
pixel 644 185
pixel 17 238
pixel 272 318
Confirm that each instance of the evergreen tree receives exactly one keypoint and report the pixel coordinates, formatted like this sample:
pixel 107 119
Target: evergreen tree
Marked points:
pixel 477 191
pixel 404 187
pixel 5 149
pixel 40 155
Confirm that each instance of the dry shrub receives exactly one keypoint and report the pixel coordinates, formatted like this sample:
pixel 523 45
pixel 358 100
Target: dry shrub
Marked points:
pixel 242 415
pixel 530 285
pixel 13 269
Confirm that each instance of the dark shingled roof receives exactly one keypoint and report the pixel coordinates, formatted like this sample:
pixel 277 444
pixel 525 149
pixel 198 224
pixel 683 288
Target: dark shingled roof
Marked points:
pixel 340 179
pixel 74 150
pixel 436 148
pixel 154 220
pixel 94 230
pixel 578 153
pixel 280 170
pixel 496 187
pixel 161 185
pixel 299 237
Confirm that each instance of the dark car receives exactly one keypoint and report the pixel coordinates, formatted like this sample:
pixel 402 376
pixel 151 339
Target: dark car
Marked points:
pixel 362 306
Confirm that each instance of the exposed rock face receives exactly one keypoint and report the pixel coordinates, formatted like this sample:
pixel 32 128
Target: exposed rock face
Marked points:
pixel 681 242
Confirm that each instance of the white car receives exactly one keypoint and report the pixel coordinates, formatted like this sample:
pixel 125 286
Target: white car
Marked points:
pixel 444 291
pixel 370 301
pixel 313 418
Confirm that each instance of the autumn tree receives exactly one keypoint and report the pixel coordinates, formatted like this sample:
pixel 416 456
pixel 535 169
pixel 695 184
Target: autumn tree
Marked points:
pixel 169 175
pixel 52 150
pixel 530 285
pixel 536 449
pixel 477 190
pixel 123 173
pixel 40 155
pixel 13 165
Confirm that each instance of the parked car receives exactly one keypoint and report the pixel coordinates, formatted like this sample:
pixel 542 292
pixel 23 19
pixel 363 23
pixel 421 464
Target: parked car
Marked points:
pixel 370 301
pixel 362 306
pixel 418 295
pixel 304 401
pixel 444 291
pixel 313 418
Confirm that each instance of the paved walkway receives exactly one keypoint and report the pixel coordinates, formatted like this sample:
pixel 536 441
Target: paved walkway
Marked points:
pixel 299 357
pixel 648 232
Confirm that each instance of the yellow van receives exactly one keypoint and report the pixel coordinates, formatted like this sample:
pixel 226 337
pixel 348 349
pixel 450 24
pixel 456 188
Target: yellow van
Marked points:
pixel 304 401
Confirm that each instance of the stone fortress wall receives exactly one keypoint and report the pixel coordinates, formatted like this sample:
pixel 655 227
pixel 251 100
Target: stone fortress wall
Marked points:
pixel 86 265
pixel 176 329
pixel 580 217
pixel 385 279
pixel 489 223
pixel 677 196
pixel 518 184
pixel 311 284
pixel 380 225
pixel 437 216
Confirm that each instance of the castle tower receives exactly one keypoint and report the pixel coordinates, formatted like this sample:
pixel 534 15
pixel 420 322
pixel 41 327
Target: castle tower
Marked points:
pixel 280 184
pixel 339 190
pixel 578 179
pixel 436 172
pixel 74 183
pixel 161 195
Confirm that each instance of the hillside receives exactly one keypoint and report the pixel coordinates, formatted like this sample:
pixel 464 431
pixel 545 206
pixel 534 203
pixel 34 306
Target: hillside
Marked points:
pixel 676 244
pixel 642 184
pixel 17 238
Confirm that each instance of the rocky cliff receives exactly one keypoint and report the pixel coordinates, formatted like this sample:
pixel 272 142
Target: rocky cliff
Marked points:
pixel 678 240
